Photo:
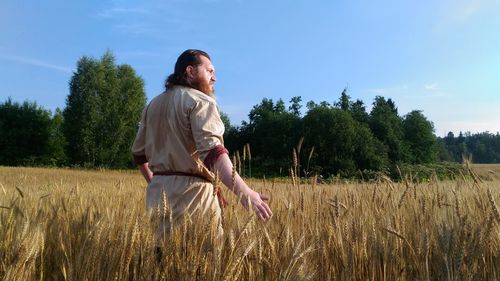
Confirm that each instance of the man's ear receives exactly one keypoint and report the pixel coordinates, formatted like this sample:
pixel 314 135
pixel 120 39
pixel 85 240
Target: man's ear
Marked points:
pixel 190 71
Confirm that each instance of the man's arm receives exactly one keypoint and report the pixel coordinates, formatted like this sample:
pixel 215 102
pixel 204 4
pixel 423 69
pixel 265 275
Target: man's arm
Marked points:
pixel 146 172
pixel 224 168
pixel 207 129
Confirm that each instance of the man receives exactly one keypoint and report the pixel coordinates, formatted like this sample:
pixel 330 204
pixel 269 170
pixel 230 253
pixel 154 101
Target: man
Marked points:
pixel 180 127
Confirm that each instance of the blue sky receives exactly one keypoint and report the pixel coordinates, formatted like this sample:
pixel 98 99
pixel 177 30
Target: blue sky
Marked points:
pixel 441 57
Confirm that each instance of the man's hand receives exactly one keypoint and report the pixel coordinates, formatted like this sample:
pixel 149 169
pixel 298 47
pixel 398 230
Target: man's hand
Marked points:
pixel 259 204
pixel 146 172
pixel 224 167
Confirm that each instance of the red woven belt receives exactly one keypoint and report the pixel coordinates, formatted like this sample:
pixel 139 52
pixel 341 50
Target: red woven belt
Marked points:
pixel 169 173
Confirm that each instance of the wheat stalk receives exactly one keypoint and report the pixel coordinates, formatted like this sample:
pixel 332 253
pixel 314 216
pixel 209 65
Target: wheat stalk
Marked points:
pixel 493 206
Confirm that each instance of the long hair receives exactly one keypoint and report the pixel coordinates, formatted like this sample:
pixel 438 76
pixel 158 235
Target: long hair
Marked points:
pixel 190 57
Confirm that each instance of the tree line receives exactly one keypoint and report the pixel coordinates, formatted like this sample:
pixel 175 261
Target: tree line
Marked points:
pixel 95 129
pixel 481 147
pixel 339 138
pixel 98 124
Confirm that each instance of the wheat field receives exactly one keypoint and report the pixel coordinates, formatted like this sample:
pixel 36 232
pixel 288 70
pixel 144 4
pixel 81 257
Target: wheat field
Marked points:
pixel 60 224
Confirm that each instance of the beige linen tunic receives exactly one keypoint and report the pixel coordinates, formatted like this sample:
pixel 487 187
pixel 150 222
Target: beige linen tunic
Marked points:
pixel 175 125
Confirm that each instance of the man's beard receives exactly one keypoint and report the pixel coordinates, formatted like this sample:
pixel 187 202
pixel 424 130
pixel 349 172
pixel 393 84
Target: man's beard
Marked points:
pixel 203 86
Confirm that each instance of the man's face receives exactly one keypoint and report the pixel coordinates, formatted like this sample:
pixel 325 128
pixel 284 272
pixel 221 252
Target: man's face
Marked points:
pixel 204 76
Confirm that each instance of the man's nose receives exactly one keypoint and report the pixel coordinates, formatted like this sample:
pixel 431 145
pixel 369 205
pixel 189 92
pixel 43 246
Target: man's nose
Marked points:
pixel 213 78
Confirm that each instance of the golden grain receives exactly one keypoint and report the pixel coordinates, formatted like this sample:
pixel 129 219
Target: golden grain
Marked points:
pixel 94 226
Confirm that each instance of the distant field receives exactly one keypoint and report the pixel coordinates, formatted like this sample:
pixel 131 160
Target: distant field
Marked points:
pixel 59 224
pixel 487 171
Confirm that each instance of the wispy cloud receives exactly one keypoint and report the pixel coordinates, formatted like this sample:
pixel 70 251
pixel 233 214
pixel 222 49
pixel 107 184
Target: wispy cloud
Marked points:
pixel 388 90
pixel 150 20
pixel 129 20
pixel 377 91
pixel 462 10
pixel 121 12
pixel 35 62
pixel 412 91
pixel 154 29
pixel 432 90
pixel 136 28
pixel 431 87
pixel 140 54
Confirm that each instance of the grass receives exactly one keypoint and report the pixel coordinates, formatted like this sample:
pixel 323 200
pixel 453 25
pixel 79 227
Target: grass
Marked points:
pixel 58 224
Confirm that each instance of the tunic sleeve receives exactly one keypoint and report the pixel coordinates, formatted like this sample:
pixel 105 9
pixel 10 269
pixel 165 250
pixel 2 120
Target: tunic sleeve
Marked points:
pixel 207 129
pixel 138 148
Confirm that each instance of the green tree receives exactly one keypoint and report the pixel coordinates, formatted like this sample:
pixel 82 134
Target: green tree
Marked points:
pixel 358 112
pixel 419 134
pixel 279 107
pixel 227 123
pixel 356 109
pixel 272 132
pixel 342 145
pixel 483 147
pixel 102 112
pixel 57 141
pixel 310 105
pixel 387 126
pixel 332 133
pixel 370 153
pixel 295 105
pixel 229 130
pixel 24 133
pixel 232 134
pixel 261 110
pixel 444 154
pixel 344 102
